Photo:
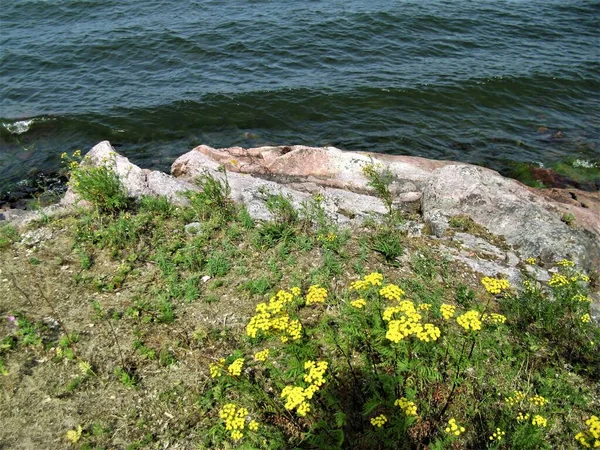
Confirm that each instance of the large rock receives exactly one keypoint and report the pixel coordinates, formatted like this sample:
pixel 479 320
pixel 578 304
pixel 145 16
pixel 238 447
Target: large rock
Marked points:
pixel 138 182
pixel 508 208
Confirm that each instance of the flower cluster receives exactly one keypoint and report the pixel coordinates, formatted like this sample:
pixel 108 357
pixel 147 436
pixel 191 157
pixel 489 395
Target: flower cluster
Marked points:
pixel 424 307
pixel 234 418
pixel 454 428
pixel 391 292
pixel 470 320
pixel 494 318
pixel 586 318
pixel 379 421
pixel 360 303
pixel 495 285
pixel 235 368
pixel 497 435
pixel 316 294
pixel 539 421
pixel 516 398
pixel 253 425
pixel 297 396
pixel 538 400
pixel 522 417
pixel 408 323
pixel 591 437
pixel 447 311
pixel 531 261
pixel 581 298
pixel 272 317
pixel 215 368
pixel 566 263
pixel 373 279
pixel 262 355
pixel 409 407
pixel 558 280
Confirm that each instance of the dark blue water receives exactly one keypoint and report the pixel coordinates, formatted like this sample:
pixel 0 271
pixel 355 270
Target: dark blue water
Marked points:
pixel 498 83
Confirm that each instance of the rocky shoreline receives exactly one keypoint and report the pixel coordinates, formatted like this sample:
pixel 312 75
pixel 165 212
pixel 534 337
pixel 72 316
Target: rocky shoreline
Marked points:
pixel 547 224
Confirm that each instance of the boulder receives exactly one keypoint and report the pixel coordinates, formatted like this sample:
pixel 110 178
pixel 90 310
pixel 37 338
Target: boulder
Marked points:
pixel 507 208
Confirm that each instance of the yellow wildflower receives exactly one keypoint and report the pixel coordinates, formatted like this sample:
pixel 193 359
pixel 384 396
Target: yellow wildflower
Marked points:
pixel 316 294
pixel 581 298
pixel 494 318
pixel 424 307
pixel 237 435
pixel 497 435
pixel 538 400
pixel 295 291
pixel 522 417
pixel 447 311
pixel 428 333
pixel 516 398
pixel 454 428
pixel 360 303
pixel 495 285
pixel 586 318
pixel 315 372
pixel 235 368
pixel 470 320
pixel 253 425
pixel 558 280
pixel 262 355
pixel 409 407
pixel 391 292
pixel 566 263
pixel 215 368
pixel 531 261
pixel 74 435
pixel 373 279
pixel 379 421
pixel 539 421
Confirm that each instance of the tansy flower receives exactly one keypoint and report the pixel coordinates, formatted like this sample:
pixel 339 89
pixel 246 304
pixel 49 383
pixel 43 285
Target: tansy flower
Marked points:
pixel 454 428
pixel 262 355
pixel 495 285
pixel 360 303
pixel 470 320
pixel 447 311
pixel 379 421
pixel 558 280
pixel 253 425
pixel 522 417
pixel 235 368
pixel 424 307
pixel 391 292
pixel 586 318
pixel 516 398
pixel 566 263
pixel 409 407
pixel 538 400
pixel 539 421
pixel 497 435
pixel 316 294
pixel 74 435
pixel 531 261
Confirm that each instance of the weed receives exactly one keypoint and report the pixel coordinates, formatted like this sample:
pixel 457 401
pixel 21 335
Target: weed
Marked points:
pixel 218 265
pixel 213 201
pixel 8 235
pixel 98 185
pixel 389 244
pixel 380 179
pixel 282 209
pixel 127 378
pixel 568 218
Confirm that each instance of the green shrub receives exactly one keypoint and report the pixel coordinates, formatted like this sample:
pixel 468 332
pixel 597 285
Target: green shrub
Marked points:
pixel 365 367
pixel 98 185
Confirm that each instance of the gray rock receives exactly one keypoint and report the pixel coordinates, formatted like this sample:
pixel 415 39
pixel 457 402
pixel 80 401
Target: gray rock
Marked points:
pixel 408 202
pixel 512 259
pixel 479 245
pixel 193 228
pixel 506 208
pixel 36 237
pixel 538 273
pixel 488 268
pixel 438 223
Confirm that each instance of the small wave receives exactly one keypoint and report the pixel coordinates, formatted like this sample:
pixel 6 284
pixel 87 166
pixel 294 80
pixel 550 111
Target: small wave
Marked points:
pixel 18 127
pixel 584 164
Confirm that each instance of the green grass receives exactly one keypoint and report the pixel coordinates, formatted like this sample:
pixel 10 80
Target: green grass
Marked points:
pixel 138 307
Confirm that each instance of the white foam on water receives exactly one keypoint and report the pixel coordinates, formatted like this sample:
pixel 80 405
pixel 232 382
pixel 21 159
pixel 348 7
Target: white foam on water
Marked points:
pixel 583 163
pixel 19 127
